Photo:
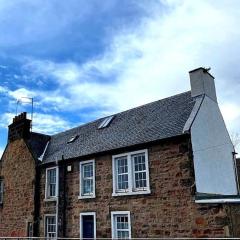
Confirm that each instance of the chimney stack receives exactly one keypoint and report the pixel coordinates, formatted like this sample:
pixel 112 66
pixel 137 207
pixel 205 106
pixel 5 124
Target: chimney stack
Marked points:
pixel 202 83
pixel 20 127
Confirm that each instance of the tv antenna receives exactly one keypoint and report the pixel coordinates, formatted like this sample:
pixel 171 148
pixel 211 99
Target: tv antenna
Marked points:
pixel 25 100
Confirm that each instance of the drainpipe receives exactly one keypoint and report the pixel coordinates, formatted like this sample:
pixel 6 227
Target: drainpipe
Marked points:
pixel 57 202
pixel 36 203
pixel 236 172
pixel 64 199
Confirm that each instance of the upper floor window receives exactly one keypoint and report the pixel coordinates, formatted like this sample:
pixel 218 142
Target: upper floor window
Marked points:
pixel 131 173
pixel 50 227
pixel 87 179
pixel 121 225
pixel 1 191
pixel 51 182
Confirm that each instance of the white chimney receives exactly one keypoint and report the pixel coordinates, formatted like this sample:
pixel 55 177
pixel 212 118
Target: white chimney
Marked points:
pixel 202 83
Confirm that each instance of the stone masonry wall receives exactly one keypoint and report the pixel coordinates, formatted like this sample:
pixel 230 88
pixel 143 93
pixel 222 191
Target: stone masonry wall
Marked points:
pixel 17 169
pixel 234 209
pixel 169 211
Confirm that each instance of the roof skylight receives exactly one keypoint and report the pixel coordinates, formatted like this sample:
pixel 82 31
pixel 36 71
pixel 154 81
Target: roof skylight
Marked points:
pixel 72 139
pixel 106 121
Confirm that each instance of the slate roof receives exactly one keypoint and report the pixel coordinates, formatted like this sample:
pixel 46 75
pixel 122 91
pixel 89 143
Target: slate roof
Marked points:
pixel 37 143
pixel 154 121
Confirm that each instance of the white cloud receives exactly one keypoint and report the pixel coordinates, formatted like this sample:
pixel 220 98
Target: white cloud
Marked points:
pixel 46 101
pixel 77 87
pixel 21 93
pixel 231 113
pixel 42 123
pixel 6 119
pixel 3 89
pixel 153 61
pixel 49 124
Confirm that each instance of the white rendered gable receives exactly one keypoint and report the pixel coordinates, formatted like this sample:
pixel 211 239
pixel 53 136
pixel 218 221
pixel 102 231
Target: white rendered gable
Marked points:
pixel 212 151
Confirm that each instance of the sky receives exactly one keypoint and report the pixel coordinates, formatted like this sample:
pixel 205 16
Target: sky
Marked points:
pixel 81 60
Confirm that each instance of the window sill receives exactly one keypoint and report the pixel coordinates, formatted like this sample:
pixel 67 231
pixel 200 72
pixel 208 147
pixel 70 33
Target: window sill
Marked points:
pixel 87 197
pixel 52 199
pixel 220 200
pixel 131 193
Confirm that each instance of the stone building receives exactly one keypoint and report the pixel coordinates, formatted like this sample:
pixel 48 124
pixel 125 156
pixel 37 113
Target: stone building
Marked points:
pixel 164 169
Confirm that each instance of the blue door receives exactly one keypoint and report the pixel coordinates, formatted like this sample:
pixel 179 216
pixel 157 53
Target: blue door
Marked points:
pixel 88 226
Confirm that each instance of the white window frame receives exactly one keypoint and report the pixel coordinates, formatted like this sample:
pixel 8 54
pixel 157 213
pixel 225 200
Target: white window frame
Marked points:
pixel 130 190
pixel 1 191
pixel 51 198
pixel 81 195
pixel 45 224
pixel 29 229
pixel 113 214
pixel 81 223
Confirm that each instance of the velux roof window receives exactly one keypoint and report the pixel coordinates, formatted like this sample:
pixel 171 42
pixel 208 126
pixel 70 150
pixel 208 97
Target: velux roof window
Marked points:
pixel 72 139
pixel 106 121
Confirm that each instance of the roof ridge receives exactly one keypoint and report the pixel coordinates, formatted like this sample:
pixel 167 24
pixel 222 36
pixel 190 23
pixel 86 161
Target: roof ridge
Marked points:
pixel 146 104
pixel 46 135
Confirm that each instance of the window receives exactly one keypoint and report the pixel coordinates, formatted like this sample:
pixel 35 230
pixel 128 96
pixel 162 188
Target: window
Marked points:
pixel 106 121
pixel 73 138
pixel 1 191
pixel 87 179
pixel 121 224
pixel 122 173
pixel 29 229
pixel 51 183
pixel 88 225
pixel 130 173
pixel 140 172
pixel 50 227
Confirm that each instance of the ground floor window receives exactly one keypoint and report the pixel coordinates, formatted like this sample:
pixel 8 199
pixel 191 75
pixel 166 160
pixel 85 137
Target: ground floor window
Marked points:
pixel 29 229
pixel 121 224
pixel 50 226
pixel 88 225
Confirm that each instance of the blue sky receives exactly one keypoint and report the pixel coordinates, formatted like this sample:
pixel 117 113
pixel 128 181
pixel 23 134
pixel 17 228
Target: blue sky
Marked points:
pixel 81 60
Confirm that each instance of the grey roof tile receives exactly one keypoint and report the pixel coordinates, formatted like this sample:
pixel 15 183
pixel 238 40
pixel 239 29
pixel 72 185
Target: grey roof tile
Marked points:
pixel 37 143
pixel 154 121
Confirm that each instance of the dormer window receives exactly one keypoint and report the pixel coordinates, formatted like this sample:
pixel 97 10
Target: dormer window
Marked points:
pixel 106 121
pixel 73 138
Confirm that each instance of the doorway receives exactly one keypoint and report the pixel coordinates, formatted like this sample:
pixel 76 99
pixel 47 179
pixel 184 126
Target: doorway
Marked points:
pixel 88 225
